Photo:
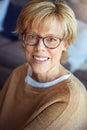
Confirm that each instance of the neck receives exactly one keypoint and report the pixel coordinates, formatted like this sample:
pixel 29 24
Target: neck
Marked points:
pixel 50 75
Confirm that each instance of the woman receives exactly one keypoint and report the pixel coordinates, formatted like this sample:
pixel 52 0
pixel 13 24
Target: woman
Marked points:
pixel 42 94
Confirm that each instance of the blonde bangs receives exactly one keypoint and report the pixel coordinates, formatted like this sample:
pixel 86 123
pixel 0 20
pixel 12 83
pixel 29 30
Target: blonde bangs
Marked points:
pixel 43 23
pixel 32 14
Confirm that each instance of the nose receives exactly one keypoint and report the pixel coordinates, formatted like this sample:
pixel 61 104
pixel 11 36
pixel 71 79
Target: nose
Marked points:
pixel 40 45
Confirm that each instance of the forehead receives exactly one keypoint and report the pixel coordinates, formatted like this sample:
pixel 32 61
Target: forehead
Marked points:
pixel 47 26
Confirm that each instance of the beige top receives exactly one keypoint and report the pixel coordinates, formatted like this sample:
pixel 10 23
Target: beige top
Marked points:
pixel 59 107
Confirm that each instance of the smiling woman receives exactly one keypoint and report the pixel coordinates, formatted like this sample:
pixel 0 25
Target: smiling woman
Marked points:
pixel 42 94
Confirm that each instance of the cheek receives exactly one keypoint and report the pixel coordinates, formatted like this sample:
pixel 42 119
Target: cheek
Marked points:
pixel 56 59
pixel 57 55
pixel 28 53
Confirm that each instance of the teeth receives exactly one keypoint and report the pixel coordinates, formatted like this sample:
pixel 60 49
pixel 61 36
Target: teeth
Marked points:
pixel 40 59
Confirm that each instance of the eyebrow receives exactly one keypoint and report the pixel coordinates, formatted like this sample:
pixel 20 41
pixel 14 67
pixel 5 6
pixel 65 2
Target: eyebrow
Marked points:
pixel 34 33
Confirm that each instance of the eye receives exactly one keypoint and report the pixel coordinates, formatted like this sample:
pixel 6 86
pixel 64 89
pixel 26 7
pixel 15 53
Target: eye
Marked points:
pixel 51 39
pixel 31 37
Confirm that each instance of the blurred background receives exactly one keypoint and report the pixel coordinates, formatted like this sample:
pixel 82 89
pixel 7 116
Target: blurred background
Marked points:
pixel 11 52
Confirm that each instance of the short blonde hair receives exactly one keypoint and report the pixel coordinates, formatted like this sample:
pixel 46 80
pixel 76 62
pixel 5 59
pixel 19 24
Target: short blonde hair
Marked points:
pixel 44 11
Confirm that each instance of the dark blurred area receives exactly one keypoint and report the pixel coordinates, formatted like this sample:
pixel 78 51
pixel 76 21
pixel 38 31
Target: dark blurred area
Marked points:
pixel 11 52
pixel 10 17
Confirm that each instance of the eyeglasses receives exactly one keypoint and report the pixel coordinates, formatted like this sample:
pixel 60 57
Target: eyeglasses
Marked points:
pixel 50 42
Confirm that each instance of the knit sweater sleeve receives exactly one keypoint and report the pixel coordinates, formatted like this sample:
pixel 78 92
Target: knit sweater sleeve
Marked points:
pixel 74 116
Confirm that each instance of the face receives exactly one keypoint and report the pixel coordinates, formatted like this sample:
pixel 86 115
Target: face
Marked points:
pixel 42 59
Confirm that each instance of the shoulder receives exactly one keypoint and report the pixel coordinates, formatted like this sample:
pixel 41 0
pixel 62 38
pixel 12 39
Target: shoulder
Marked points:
pixel 20 71
pixel 77 107
pixel 21 68
pixel 78 91
pixel 75 83
pixel 17 75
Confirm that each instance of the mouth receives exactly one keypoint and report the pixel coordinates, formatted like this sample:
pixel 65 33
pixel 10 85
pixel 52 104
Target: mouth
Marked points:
pixel 40 58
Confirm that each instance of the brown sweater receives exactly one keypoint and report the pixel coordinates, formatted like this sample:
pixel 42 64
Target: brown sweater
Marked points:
pixel 59 107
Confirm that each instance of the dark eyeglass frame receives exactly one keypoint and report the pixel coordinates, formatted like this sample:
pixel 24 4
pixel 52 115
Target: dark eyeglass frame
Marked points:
pixel 43 39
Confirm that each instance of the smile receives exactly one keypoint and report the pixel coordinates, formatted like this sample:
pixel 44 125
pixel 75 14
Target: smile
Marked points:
pixel 41 59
